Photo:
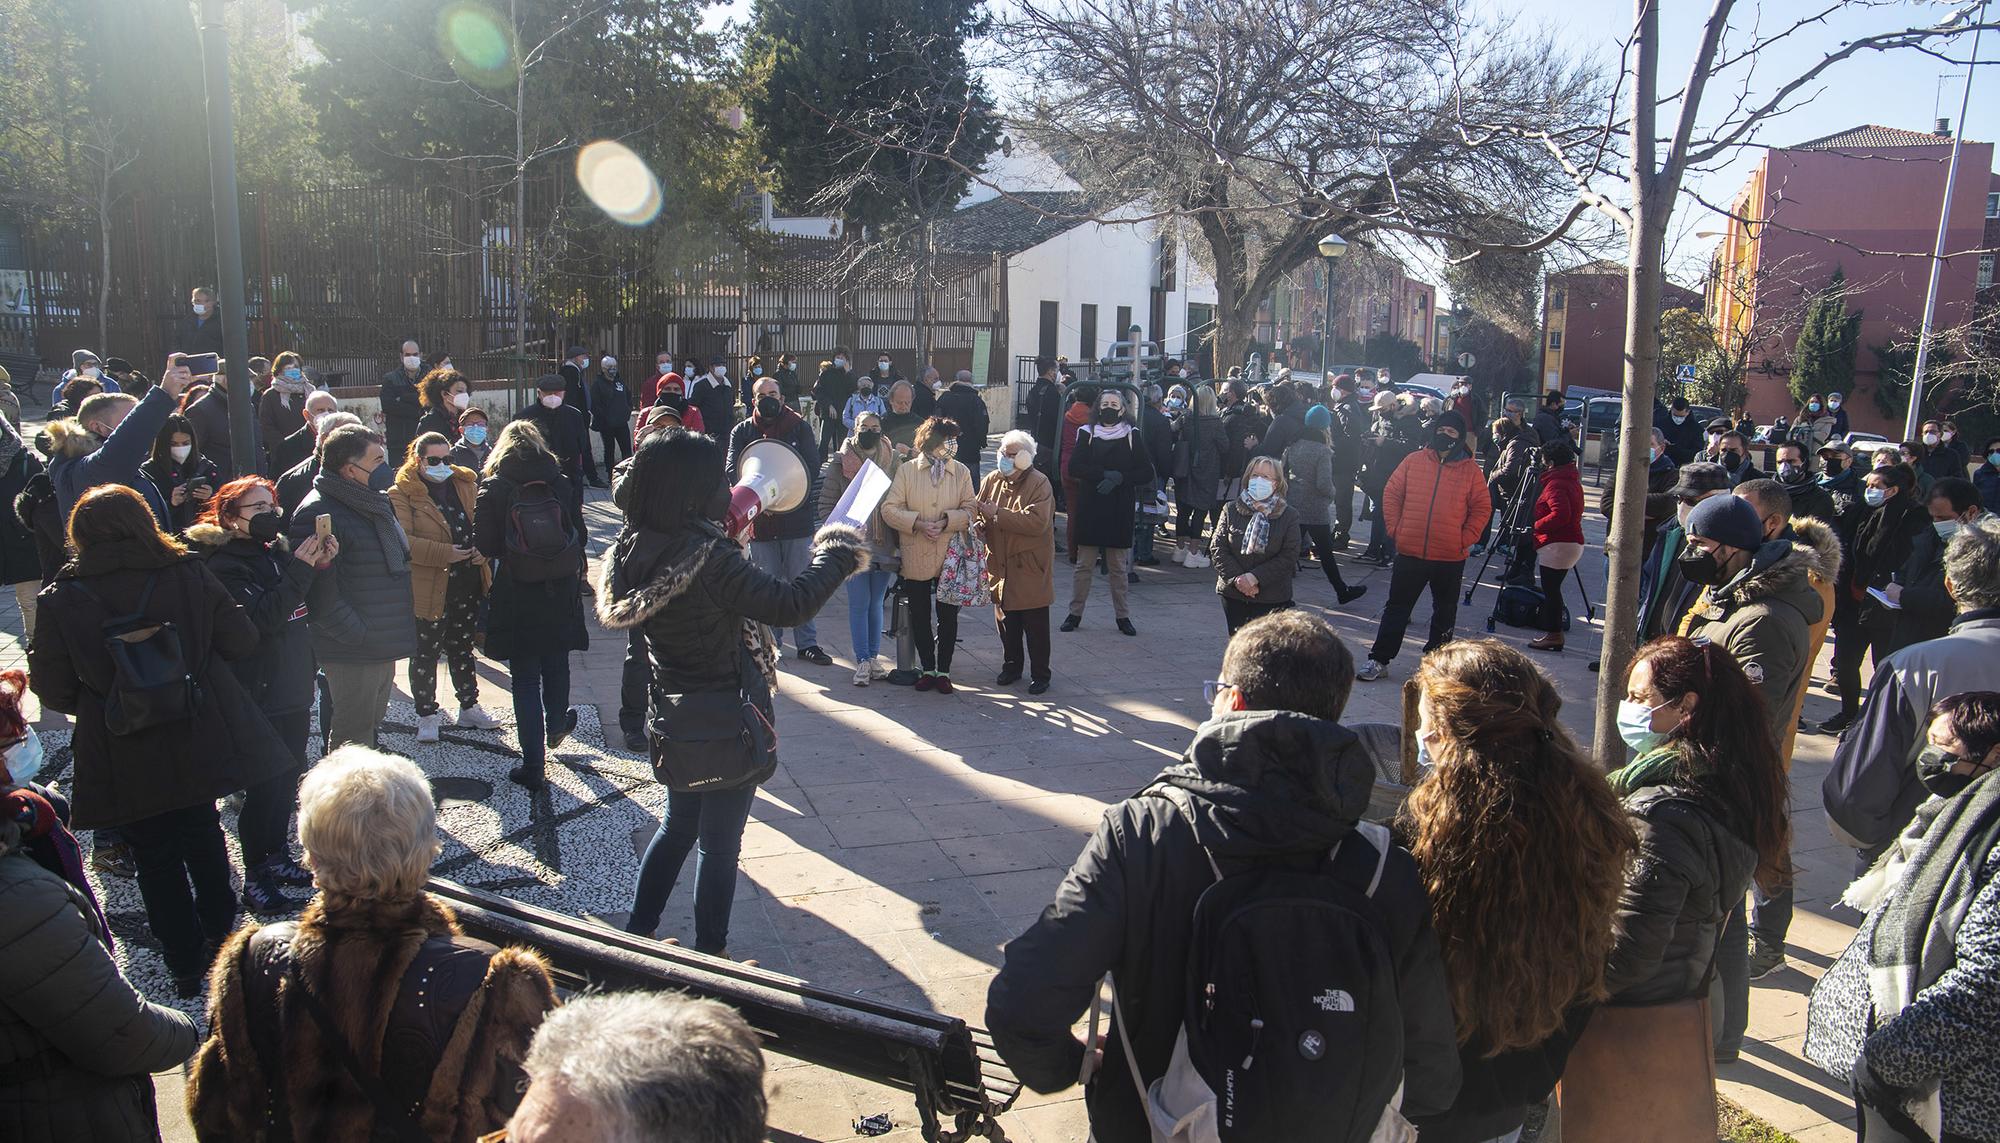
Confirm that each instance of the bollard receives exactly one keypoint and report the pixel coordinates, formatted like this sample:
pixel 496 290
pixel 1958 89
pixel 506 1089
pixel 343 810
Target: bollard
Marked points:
pixel 905 674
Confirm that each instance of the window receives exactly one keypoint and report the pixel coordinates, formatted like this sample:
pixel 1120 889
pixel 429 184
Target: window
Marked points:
pixel 1557 298
pixel 1124 323
pixel 1087 344
pixel 1051 320
pixel 1985 270
pixel 1555 339
pixel 1993 204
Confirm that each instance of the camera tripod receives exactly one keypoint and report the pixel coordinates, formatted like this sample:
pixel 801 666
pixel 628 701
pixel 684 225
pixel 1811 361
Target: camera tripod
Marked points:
pixel 1516 519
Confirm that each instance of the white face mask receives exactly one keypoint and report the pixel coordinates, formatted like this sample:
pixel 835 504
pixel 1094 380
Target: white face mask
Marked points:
pixel 1833 402
pixel 1948 434
pixel 412 361
pixel 1930 438
pixel 1022 461
pixel 437 472
pixel 88 373
pixel 180 453
pixel 201 309
pixel 461 400
pixel 552 400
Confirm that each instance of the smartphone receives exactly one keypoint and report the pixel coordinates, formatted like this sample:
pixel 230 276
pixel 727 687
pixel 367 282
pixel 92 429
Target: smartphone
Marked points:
pixel 202 364
pixel 323 525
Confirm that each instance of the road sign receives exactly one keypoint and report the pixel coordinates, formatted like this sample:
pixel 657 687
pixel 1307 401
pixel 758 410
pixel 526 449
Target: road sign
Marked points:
pixel 1684 373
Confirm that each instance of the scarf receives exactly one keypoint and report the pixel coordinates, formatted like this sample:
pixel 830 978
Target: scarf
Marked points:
pixel 375 508
pixel 1257 533
pixel 290 388
pixel 1653 768
pixel 11 444
pixel 46 841
pixel 1117 432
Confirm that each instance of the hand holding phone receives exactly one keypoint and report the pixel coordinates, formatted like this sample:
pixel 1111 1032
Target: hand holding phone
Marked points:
pixel 202 364
pixel 323 525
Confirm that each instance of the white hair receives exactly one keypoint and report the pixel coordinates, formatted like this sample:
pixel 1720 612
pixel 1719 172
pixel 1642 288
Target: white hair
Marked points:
pixel 1972 565
pixel 368 824
pixel 656 1065
pixel 1026 441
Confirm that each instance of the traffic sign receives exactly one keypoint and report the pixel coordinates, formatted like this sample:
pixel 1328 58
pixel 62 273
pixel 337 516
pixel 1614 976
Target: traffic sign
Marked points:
pixel 1684 373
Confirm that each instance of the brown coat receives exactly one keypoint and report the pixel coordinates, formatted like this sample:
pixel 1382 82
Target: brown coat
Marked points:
pixel 914 496
pixel 1020 540
pixel 472 1031
pixel 430 537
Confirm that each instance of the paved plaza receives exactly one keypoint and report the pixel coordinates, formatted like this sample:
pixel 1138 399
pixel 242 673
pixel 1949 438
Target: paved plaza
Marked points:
pixel 907 836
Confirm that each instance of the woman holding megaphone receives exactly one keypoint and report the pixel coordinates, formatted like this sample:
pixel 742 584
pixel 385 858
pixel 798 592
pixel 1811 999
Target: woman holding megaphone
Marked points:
pixel 679 574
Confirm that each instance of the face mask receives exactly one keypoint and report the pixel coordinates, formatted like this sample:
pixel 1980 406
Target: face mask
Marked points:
pixel 293 373
pixel 1814 407
pixel 201 309
pixel 1022 461
pixel 1635 726
pixel 1107 416
pixel 1424 759
pixel 1714 441
pixel 1701 566
pixel 460 400
pixel 24 758
pixel 840 363
pixel 1443 442
pixel 88 373
pixel 768 408
pixel 756 371
pixel 1833 466
pixel 552 400
pixel 1948 434
pixel 950 449
pixel 475 434
pixel 1993 458
pixel 867 439
pixel 1652 454
pixel 1680 418
pixel 1176 404
pixel 1791 473
pixel 1930 438
pixel 1945 529
pixel 1260 487
pixel 382 479
pixel 882 365
pixel 437 472
pixel 688 370
pixel 1934 771
pixel 721 371
pixel 609 363
pixel 265 526
pixel 180 453
pixel 1833 402
pixel 1875 497
pixel 412 361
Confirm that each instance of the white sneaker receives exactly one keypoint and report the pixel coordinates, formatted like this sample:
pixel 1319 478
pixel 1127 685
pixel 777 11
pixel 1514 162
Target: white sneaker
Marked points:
pixel 877 669
pixel 1197 560
pixel 1180 555
pixel 475 717
pixel 427 727
pixel 1372 670
pixel 863 672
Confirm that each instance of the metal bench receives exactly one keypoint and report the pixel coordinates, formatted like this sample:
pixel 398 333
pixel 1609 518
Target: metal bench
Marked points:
pixel 951 1068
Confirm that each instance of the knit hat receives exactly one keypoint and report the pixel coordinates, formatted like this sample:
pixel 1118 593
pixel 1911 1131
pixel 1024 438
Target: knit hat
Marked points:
pixel 1729 520
pixel 1700 478
pixel 1319 417
pixel 1449 419
pixel 551 383
pixel 78 357
pixel 1344 381
pixel 117 365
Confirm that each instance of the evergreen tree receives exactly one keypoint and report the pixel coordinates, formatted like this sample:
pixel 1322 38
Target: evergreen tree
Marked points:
pixel 1823 358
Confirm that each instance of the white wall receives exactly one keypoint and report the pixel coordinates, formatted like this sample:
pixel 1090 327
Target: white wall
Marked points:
pixel 1105 265
pixel 1022 167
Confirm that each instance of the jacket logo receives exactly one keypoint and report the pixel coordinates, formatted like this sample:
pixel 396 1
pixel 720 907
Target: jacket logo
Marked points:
pixel 1334 1000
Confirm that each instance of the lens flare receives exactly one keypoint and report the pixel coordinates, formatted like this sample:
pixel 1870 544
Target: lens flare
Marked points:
pixel 619 182
pixel 478 43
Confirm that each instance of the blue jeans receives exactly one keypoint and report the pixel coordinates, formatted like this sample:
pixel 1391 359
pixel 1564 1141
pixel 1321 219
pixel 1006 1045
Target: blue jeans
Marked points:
pixel 785 561
pixel 713 821
pixel 541 694
pixel 865 594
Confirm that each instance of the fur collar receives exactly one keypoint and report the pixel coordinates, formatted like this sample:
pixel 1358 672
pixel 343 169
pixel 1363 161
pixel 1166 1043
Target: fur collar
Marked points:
pixel 620 607
pixel 1784 567
pixel 212 538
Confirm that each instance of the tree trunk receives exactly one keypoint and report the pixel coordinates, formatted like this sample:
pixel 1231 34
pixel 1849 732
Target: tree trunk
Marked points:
pixel 520 259
pixel 104 257
pixel 1652 202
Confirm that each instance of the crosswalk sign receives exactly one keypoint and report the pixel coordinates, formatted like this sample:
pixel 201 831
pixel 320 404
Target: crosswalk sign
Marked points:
pixel 1684 373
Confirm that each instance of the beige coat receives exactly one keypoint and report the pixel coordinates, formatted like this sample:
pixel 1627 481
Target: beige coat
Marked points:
pixel 1020 540
pixel 430 538
pixel 914 496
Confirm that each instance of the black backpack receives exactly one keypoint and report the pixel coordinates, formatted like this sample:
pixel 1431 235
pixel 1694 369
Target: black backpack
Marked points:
pixel 152 683
pixel 541 545
pixel 1291 1027
pixel 1519 605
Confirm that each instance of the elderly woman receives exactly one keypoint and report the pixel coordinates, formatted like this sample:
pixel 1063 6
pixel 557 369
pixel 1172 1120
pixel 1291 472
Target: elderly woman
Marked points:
pixel 1256 546
pixel 76 1039
pixel 1107 465
pixel 929 501
pixel 867 589
pixel 1016 515
pixel 434 499
pixel 375 971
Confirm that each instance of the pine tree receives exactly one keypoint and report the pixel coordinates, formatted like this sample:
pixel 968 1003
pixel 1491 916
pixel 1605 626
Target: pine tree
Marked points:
pixel 1823 358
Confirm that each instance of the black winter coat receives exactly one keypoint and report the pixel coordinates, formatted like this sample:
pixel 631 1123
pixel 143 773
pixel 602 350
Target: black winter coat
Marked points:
pixel 1157 432
pixel 1927 609
pixel 297 483
pixel 566 432
pixel 830 393
pixel 1045 410
pixel 717 402
pixel 361 608
pixel 440 421
pixel 20 554
pixel 1690 872
pixel 1284 431
pixel 792 430
pixel 271 588
pixel 35 508
pixel 287 452
pixel 1881 548
pixel 544 618
pixel 401 408
pixel 1240 421
pixel 1266 786
pixel 962 403
pixel 1104 519
pixel 1199 447
pixel 1350 425
pixel 167 476
pixel 610 404
pixel 228 746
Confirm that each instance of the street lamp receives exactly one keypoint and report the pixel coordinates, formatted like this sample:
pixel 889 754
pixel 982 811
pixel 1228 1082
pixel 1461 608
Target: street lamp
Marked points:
pixel 1330 248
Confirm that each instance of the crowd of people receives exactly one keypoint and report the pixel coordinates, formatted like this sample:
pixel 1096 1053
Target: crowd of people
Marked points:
pixel 1539 920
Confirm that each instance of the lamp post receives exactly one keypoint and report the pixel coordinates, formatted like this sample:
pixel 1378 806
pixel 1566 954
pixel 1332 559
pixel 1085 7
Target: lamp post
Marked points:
pixel 1330 248
pixel 1913 416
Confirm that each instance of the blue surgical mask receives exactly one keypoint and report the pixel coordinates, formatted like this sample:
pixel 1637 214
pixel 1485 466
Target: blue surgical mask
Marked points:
pixel 24 758
pixel 294 373
pixel 437 473
pixel 1259 487
pixel 475 434
pixel 1875 497
pixel 1635 726
pixel 1424 759
pixel 1944 528
pixel 1993 458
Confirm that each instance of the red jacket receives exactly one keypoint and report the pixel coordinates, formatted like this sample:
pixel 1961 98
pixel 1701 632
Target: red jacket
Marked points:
pixel 1436 508
pixel 1559 508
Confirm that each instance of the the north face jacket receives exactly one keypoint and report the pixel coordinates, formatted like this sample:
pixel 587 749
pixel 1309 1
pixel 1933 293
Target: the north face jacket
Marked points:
pixel 1764 618
pixel 1266 786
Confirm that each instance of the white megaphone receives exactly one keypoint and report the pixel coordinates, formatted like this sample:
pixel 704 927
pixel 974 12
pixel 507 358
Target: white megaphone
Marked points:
pixel 773 479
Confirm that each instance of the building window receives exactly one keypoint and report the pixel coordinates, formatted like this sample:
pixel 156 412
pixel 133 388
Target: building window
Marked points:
pixel 1985 270
pixel 1557 298
pixel 1993 204
pixel 1087 344
pixel 1124 323
pixel 1045 345
pixel 1555 339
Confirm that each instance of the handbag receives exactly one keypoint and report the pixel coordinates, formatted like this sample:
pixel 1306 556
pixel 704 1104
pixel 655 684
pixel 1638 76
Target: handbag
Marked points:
pixel 962 579
pixel 711 740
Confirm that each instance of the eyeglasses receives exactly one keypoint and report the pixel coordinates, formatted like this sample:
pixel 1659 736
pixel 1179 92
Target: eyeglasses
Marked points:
pixel 1212 688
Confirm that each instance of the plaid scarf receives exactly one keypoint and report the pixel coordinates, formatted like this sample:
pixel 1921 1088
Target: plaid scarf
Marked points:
pixel 1257 533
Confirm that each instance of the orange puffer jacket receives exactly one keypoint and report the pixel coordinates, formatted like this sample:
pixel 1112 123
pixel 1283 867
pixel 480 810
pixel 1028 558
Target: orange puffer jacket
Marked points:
pixel 1436 507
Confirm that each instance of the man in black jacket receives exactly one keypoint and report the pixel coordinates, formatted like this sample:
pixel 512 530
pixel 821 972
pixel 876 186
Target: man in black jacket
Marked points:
pixel 1158 433
pixel 563 428
pixel 1548 421
pixel 781 543
pixel 712 393
pixel 1350 425
pixel 401 409
pixel 1243 428
pixel 201 331
pixel 831 390
pixel 1683 432
pixel 298 445
pixel 962 402
pixel 1045 410
pixel 575 373
pixel 1272 777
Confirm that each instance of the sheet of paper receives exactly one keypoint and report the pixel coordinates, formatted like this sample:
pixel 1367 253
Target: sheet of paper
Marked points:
pixel 864 494
pixel 1882 598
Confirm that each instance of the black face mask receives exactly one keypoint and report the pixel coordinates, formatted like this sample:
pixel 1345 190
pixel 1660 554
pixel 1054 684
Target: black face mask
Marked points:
pixel 768 408
pixel 718 505
pixel 265 526
pixel 868 439
pixel 383 478
pixel 1107 416
pixel 1701 566
pixel 1443 442
pixel 1835 467
pixel 1731 458
pixel 1934 771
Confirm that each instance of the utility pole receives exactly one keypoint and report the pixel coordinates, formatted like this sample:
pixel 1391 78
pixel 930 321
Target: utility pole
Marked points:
pixel 228 234
pixel 1913 416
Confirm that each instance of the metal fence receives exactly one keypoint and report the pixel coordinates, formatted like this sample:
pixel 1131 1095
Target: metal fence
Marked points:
pixel 344 275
